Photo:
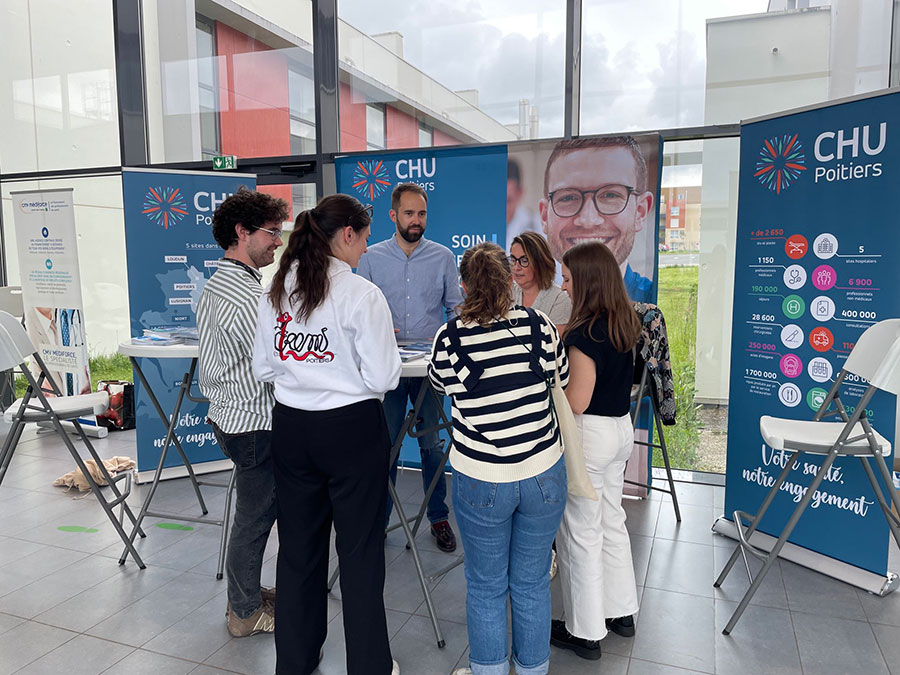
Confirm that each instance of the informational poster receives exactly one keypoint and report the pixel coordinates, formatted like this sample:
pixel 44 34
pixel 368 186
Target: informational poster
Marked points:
pixel 51 284
pixel 171 253
pixel 818 253
pixel 465 188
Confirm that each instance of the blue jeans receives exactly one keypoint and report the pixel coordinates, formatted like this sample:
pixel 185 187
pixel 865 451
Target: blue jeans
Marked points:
pixel 395 407
pixel 507 530
pixel 254 515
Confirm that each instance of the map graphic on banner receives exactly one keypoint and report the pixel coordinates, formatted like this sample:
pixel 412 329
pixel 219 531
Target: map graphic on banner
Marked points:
pixel 51 284
pixel 816 264
pixel 171 253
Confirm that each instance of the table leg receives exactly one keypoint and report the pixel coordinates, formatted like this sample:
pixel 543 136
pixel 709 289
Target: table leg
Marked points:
pixel 170 438
pixel 419 571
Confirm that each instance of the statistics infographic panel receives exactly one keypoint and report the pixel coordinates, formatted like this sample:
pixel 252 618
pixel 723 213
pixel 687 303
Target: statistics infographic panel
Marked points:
pixel 816 264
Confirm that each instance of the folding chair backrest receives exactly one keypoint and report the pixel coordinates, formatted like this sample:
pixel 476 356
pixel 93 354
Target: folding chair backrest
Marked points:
pixel 20 340
pixel 11 300
pixel 876 356
pixel 9 353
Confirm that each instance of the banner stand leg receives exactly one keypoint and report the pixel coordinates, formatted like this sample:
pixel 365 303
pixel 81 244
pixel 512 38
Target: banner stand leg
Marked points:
pixel 877 584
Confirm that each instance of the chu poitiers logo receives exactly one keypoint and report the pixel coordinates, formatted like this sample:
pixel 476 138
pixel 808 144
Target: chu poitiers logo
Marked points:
pixel 781 161
pixel 164 206
pixel 370 178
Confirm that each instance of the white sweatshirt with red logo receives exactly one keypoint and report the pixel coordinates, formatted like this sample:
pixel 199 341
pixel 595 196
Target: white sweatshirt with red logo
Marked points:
pixel 344 353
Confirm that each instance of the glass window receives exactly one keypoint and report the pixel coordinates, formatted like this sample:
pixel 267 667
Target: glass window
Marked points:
pixel 57 86
pixel 895 47
pixel 696 272
pixel 207 87
pixel 229 79
pixel 376 130
pixel 301 90
pixel 426 136
pixel 414 62
pixel 659 65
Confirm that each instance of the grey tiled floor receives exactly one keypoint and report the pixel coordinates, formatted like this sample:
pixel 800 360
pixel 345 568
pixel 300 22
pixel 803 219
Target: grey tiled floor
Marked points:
pixel 67 607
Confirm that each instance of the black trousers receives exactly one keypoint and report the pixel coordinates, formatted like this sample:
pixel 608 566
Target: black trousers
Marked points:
pixel 331 466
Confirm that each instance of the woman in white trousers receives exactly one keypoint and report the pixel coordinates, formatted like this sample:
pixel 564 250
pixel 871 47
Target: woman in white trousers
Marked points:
pixel 593 546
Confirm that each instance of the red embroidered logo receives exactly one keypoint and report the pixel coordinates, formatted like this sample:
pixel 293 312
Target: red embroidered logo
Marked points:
pixel 308 347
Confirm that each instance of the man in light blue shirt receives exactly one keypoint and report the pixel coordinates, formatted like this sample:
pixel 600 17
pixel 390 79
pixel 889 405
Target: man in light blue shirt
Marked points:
pixel 421 283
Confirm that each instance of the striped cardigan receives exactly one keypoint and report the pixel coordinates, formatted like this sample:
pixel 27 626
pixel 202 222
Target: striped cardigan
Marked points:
pixel 503 427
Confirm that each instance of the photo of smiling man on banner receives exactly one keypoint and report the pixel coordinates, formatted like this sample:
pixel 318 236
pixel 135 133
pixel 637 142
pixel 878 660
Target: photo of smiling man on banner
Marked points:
pixel 597 189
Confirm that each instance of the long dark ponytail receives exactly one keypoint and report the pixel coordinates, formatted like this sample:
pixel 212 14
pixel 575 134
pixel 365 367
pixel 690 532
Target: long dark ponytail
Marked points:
pixel 310 247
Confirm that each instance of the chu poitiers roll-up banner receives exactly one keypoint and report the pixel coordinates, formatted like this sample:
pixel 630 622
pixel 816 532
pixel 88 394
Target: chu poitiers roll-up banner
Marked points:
pixel 465 188
pixel 171 253
pixel 51 284
pixel 817 256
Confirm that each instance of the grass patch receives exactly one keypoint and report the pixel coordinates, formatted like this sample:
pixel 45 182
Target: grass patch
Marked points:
pixel 103 367
pixel 678 302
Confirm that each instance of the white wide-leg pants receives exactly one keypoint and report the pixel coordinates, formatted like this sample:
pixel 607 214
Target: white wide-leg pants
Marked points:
pixel 593 547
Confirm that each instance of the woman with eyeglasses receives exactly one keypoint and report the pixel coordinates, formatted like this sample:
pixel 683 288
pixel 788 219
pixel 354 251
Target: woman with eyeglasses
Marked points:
pixel 326 339
pixel 509 481
pixel 533 271
pixel 593 547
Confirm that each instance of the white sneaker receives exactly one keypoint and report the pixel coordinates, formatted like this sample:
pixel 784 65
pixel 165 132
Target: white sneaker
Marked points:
pixel 462 671
pixel 396 670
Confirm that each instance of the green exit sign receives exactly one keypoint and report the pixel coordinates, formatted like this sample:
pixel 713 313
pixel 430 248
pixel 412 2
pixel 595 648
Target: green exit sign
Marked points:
pixel 225 163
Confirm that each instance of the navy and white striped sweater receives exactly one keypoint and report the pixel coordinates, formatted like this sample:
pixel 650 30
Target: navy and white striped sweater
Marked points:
pixel 503 427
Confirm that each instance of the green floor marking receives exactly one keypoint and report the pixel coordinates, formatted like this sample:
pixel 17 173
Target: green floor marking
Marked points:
pixel 76 528
pixel 174 526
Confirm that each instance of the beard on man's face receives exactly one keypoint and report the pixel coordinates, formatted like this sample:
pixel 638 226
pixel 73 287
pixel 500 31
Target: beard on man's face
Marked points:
pixel 411 234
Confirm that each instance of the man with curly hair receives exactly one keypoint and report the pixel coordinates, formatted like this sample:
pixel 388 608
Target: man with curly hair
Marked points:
pixel 247 225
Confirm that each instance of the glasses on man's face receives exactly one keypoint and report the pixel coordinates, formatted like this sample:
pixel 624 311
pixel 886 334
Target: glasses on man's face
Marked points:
pixel 521 261
pixel 608 200
pixel 275 234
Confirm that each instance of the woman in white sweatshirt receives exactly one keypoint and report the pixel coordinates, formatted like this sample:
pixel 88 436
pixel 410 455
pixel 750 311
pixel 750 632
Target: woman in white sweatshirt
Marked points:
pixel 326 340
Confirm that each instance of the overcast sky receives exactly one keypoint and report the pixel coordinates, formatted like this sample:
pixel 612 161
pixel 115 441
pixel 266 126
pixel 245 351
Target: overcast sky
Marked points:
pixel 643 67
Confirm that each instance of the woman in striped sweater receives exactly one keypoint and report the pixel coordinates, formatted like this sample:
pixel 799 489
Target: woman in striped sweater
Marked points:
pixel 509 486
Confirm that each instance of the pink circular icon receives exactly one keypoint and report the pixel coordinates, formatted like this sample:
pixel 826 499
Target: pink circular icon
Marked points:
pixel 824 277
pixel 791 365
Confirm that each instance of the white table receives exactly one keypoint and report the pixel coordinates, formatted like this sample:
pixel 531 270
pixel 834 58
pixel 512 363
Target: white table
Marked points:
pixel 134 352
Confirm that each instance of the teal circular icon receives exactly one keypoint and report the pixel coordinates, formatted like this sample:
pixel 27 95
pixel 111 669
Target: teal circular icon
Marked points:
pixel 815 397
pixel 793 306
pixel 48 263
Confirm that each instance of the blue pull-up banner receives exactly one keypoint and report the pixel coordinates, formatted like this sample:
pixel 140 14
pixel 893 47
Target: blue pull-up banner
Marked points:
pixel 817 260
pixel 171 253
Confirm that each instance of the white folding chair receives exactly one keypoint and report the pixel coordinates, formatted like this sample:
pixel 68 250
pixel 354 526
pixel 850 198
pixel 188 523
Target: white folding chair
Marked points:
pixel 876 359
pixel 35 406
pixel 10 301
